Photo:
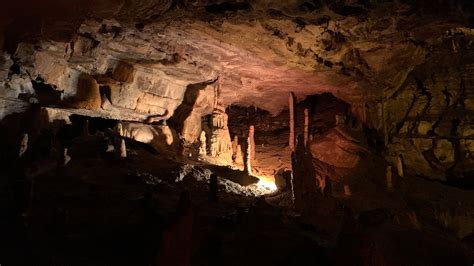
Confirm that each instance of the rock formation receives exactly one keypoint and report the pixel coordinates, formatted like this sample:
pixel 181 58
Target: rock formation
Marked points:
pixel 252 143
pixel 220 144
pixel 202 144
pixel 400 166
pixel 123 149
pixel 291 108
pixel 66 157
pixel 373 87
pixel 23 145
pixel 248 157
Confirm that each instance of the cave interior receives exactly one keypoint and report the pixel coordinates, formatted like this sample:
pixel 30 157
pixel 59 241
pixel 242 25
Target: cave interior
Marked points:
pixel 237 132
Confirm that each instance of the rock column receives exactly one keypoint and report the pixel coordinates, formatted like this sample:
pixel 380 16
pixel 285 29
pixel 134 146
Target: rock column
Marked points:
pixel 202 147
pixel 247 158
pixel 291 108
pixel 252 143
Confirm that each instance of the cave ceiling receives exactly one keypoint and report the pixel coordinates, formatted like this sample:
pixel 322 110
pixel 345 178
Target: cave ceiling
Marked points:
pixel 260 50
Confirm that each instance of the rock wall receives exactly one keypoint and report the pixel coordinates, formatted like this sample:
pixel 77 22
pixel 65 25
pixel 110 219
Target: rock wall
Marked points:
pixel 429 118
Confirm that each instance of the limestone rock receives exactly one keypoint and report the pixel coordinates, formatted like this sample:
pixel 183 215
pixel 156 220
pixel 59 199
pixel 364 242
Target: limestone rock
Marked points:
pixel 88 95
pixel 221 145
pixel 444 151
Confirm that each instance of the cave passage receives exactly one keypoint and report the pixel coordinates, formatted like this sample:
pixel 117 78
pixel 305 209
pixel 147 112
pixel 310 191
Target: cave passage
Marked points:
pixel 236 132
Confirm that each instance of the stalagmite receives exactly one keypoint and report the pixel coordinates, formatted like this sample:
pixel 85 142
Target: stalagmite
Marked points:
pixel 306 127
pixel 123 149
pixel 389 178
pixel 202 147
pixel 220 143
pixel 247 158
pixel 66 157
pixel 347 190
pixel 291 108
pixel 23 145
pixel 252 144
pixel 400 165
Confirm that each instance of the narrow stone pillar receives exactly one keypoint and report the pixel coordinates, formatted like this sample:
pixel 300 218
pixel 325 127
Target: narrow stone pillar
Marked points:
pixel 400 165
pixel 389 178
pixel 306 127
pixel 252 143
pixel 66 157
pixel 23 145
pixel 291 108
pixel 213 196
pixel 247 158
pixel 123 149
pixel 202 147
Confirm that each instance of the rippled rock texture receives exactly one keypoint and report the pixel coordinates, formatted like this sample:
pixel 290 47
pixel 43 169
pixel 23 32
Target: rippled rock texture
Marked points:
pixel 405 68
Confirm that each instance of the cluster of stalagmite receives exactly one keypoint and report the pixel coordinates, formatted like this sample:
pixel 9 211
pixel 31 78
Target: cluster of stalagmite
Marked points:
pixel 220 144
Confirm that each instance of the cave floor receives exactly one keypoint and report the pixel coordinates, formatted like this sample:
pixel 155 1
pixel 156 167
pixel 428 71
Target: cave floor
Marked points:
pixel 103 210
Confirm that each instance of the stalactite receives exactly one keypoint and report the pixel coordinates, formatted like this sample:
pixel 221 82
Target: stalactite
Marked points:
pixel 306 126
pixel 291 108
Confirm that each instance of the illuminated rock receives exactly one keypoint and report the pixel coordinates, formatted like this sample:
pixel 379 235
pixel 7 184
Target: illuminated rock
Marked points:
pixel 123 149
pixel 291 108
pixel 202 144
pixel 23 145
